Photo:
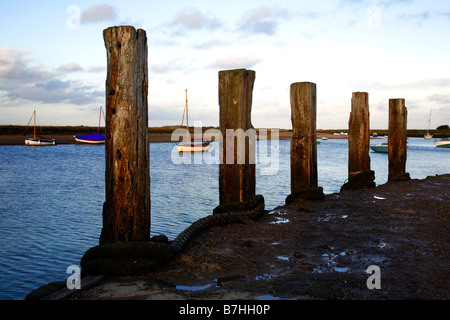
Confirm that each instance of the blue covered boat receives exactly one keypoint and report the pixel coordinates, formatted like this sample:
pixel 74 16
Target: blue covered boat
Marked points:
pixel 94 138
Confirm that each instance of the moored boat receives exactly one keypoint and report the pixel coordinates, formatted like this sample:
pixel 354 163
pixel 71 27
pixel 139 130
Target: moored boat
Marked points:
pixel 382 147
pixel 94 138
pixel 443 143
pixel 193 145
pixel 38 140
pixel 428 135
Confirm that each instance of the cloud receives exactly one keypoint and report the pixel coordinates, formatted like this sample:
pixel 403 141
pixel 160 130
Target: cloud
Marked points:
pixel 262 20
pixel 418 17
pixel 167 67
pixel 234 62
pixel 13 66
pixel 96 69
pixel 70 67
pixel 419 84
pixel 389 3
pixel 98 13
pixel 21 81
pixel 206 45
pixel 193 19
pixel 440 98
pixel 385 3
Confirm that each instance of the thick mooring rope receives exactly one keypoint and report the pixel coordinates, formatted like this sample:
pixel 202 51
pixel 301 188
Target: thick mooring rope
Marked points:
pixel 133 257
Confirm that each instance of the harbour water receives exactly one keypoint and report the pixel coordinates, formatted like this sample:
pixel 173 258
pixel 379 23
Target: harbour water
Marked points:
pixel 51 198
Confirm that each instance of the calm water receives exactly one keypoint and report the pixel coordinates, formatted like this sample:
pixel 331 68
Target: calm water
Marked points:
pixel 51 198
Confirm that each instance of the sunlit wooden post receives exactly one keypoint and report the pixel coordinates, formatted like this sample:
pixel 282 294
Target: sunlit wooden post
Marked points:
pixel 359 173
pixel 126 211
pixel 397 140
pixel 237 167
pixel 304 178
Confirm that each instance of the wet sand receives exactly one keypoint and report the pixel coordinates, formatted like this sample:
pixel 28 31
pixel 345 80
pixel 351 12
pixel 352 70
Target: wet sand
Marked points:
pixel 313 250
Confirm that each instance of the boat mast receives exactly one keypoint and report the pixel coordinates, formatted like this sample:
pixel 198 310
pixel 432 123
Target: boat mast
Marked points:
pixel 99 119
pixel 34 114
pixel 187 119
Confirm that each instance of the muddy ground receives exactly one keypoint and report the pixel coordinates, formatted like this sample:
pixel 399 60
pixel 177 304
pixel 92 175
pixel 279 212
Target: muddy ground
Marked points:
pixel 313 250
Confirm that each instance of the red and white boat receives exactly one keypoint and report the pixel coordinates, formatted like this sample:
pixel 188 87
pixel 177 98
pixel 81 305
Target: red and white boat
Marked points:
pixel 193 145
pixel 38 140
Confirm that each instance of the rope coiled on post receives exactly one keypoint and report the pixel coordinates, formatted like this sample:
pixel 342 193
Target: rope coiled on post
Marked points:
pixel 122 258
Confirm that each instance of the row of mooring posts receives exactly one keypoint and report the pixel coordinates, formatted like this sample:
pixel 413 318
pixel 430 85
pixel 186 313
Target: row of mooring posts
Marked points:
pixel 126 211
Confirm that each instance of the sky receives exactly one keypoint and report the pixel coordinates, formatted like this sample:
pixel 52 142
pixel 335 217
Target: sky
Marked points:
pixel 53 58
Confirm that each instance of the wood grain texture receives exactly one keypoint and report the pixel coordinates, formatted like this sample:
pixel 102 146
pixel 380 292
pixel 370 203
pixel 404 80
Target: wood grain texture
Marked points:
pixel 126 211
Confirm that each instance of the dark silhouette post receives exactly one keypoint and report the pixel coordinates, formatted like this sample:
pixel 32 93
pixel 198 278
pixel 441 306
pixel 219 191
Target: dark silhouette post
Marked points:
pixel 126 211
pixel 237 154
pixel 397 140
pixel 359 173
pixel 304 180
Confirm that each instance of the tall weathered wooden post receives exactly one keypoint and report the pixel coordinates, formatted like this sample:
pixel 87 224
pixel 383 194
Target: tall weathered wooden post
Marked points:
pixel 304 179
pixel 237 167
pixel 397 140
pixel 126 211
pixel 359 173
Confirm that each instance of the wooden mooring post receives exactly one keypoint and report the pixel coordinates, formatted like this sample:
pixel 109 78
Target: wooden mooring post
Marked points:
pixel 359 173
pixel 304 179
pixel 126 211
pixel 397 140
pixel 237 166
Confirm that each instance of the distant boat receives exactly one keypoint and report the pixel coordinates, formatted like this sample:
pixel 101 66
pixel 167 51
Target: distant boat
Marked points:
pixel 428 135
pixel 382 147
pixel 38 140
pixel 94 138
pixel 443 143
pixel 192 145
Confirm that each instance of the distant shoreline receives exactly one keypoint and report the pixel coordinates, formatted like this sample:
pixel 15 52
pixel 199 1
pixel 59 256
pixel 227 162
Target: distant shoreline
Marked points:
pixel 14 135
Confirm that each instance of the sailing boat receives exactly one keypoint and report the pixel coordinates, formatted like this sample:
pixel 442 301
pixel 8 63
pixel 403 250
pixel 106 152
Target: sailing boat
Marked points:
pixel 428 135
pixel 38 140
pixel 94 138
pixel 191 145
